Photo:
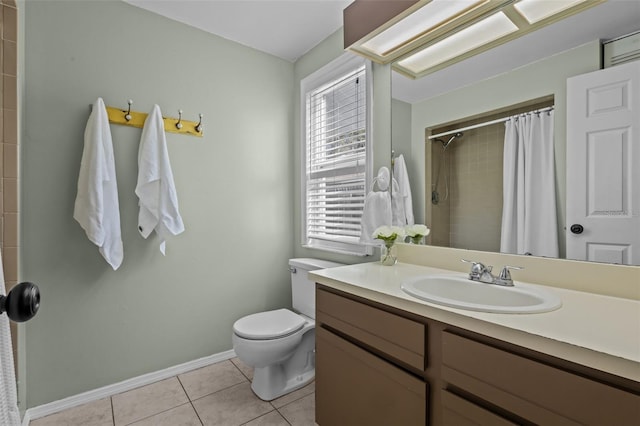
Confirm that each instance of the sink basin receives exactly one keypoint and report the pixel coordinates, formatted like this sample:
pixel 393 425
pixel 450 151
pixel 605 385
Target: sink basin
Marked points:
pixel 462 293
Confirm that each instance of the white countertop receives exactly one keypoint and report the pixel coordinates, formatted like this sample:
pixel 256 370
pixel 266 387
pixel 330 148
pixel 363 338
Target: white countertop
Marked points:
pixel 601 332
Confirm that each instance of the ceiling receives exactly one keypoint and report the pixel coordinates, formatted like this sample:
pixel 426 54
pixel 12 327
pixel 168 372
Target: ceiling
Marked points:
pixel 290 28
pixel 285 28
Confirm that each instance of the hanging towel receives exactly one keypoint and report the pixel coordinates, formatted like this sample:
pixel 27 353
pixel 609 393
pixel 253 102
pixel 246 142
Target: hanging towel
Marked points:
pixel 403 216
pixel 376 213
pixel 398 217
pixel 156 191
pixel 96 207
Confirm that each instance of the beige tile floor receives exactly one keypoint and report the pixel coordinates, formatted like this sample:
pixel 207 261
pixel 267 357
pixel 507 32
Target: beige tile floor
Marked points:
pixel 219 394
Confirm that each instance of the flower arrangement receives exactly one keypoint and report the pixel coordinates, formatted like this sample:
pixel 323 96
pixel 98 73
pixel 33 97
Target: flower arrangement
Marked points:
pixel 389 235
pixel 416 232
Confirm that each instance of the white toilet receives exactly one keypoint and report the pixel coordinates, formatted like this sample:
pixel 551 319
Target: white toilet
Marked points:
pixel 280 344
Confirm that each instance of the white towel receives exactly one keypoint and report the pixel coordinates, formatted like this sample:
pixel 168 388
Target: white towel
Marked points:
pixel 398 217
pixel 156 191
pixel 404 191
pixel 96 207
pixel 376 213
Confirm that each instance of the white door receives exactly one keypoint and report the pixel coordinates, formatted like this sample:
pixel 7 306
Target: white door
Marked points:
pixel 603 165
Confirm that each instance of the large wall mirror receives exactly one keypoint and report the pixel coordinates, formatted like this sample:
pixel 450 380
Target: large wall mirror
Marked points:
pixel 464 210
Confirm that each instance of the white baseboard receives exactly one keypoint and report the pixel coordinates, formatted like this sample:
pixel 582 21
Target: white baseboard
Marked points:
pixel 116 388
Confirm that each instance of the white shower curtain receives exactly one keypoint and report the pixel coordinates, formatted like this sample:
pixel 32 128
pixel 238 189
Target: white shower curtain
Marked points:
pixel 9 413
pixel 529 218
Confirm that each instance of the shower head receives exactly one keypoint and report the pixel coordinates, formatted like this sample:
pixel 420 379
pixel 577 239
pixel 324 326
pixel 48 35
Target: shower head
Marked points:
pixel 455 135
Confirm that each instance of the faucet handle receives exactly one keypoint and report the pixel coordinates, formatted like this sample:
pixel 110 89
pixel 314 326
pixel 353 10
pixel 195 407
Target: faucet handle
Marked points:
pixel 477 268
pixel 505 271
pixel 477 264
pixel 505 276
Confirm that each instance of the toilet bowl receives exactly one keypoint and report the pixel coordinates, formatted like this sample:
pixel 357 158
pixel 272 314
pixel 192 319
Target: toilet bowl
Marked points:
pixel 283 360
pixel 280 344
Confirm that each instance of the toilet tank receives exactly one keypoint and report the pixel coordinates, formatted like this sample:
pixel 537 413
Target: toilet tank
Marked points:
pixel 303 290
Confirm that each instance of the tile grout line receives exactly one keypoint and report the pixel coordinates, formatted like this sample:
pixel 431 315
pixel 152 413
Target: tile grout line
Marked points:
pixel 262 415
pixel 241 372
pixel 190 401
pixel 153 415
pixel 291 402
pixel 285 419
pixel 113 413
pixel 159 412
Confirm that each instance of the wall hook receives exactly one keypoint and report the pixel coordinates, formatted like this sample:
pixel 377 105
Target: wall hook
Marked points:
pixel 179 123
pixel 127 116
pixel 199 126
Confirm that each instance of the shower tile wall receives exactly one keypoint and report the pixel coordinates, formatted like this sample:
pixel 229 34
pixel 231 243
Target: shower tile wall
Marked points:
pixel 476 189
pixel 9 145
pixel 470 218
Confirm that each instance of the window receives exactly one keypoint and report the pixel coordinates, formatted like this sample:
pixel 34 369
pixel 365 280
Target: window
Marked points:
pixel 336 155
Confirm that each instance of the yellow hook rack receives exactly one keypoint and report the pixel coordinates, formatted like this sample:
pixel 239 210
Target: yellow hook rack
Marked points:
pixel 172 125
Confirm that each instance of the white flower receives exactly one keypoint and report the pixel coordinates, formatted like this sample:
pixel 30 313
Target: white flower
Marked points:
pixel 389 233
pixel 417 230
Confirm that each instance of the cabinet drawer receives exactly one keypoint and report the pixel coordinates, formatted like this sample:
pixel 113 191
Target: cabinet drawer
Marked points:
pixel 354 387
pixel 533 390
pixel 399 337
pixel 457 411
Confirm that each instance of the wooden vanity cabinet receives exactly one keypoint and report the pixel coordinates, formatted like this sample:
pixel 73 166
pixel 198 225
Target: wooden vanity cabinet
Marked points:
pixel 377 365
pixel 367 360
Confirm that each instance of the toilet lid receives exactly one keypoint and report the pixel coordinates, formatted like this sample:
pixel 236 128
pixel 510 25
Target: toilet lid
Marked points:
pixel 268 325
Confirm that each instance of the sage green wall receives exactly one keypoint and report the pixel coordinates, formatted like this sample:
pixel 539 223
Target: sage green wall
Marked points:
pixel 329 49
pixel 401 128
pixel 97 326
pixel 535 80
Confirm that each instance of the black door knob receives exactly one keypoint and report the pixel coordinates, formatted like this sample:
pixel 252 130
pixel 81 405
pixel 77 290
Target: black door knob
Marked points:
pixel 577 228
pixel 22 302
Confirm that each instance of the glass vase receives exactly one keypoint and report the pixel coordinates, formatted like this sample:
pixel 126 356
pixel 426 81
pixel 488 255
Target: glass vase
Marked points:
pixel 388 254
pixel 417 239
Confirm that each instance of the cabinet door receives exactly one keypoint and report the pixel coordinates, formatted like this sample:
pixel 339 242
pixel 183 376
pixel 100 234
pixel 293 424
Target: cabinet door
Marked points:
pixel 354 387
pixel 532 390
pixel 457 411
pixel 394 336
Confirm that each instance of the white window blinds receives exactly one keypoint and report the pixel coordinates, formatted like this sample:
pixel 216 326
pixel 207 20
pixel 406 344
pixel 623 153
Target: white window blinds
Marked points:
pixel 336 162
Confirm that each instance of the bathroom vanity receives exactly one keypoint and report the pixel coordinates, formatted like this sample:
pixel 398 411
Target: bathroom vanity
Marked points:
pixel 383 357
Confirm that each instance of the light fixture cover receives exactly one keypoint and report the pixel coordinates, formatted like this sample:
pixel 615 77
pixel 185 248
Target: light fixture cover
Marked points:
pixel 429 17
pixel 537 10
pixel 483 32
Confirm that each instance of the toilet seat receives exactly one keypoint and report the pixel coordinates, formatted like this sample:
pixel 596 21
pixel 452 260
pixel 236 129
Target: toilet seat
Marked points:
pixel 268 325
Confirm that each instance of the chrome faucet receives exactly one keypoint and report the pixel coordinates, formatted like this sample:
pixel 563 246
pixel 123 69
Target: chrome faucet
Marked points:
pixel 480 272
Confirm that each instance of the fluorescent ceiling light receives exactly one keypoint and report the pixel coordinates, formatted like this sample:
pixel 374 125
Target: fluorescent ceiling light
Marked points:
pixel 425 19
pixel 476 35
pixel 537 10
